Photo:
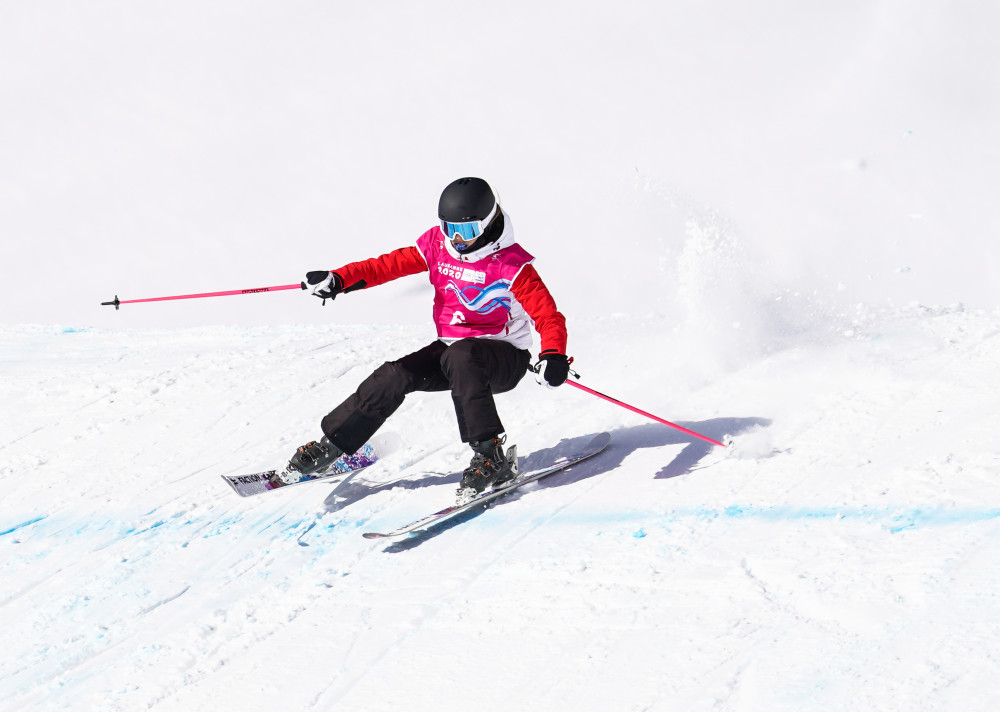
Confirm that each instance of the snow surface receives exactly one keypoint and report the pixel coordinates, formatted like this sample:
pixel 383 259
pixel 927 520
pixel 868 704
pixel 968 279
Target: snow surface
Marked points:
pixel 772 221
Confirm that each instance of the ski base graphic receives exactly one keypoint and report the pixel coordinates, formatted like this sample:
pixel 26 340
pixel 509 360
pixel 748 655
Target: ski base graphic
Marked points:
pixel 261 482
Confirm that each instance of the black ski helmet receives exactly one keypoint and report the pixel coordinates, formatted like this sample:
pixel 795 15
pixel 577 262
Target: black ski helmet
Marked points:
pixel 466 199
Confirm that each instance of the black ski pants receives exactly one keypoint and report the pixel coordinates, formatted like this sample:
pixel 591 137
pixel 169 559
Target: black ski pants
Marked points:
pixel 472 369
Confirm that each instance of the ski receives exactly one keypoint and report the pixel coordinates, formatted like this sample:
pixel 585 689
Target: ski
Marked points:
pixel 261 482
pixel 596 445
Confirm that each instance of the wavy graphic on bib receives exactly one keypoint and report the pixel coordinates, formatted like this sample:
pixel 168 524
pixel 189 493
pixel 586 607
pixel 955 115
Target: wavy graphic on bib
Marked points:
pixel 483 300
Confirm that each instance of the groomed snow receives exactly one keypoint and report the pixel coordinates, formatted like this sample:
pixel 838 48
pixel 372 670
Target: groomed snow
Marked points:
pixel 770 222
pixel 842 554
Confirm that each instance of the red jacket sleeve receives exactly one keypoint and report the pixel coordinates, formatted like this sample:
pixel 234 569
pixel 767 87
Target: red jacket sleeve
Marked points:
pixel 531 292
pixel 382 269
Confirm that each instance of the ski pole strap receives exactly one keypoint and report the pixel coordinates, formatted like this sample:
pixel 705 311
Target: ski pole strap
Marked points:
pixel 257 290
pixel 632 408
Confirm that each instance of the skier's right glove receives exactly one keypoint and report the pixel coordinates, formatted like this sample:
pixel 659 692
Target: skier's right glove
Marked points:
pixel 324 284
pixel 552 369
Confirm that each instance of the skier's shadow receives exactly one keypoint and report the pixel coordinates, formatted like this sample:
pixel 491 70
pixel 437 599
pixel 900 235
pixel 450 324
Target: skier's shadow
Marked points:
pixel 624 442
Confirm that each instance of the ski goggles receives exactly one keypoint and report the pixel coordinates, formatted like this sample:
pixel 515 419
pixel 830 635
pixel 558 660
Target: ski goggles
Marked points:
pixel 463 234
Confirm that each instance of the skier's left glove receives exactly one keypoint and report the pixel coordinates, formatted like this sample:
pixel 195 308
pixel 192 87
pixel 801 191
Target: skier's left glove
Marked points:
pixel 324 284
pixel 552 369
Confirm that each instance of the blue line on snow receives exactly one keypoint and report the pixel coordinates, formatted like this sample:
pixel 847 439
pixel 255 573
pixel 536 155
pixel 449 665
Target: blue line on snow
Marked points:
pixel 22 525
pixel 894 519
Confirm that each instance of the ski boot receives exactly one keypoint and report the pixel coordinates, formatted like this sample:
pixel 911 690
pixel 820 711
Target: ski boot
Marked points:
pixel 311 458
pixel 490 468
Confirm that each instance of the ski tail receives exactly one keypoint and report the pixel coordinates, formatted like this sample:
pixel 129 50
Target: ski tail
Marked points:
pixel 257 483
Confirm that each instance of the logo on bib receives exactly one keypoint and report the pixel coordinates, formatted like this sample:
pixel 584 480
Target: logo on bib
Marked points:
pixel 474 276
pixel 463 273
pixel 457 318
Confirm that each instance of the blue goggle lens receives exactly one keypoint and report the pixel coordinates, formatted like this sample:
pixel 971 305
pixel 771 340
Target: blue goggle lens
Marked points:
pixel 466 231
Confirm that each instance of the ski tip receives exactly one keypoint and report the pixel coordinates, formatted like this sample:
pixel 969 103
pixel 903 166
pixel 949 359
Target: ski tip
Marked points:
pixel 601 440
pixel 374 535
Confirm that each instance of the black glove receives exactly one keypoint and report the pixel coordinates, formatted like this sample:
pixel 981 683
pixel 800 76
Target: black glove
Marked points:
pixel 324 284
pixel 552 368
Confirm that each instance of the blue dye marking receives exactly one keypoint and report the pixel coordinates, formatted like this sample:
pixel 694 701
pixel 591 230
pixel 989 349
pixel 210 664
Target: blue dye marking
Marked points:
pixel 150 528
pixel 222 526
pixel 893 519
pixel 22 525
pixel 324 535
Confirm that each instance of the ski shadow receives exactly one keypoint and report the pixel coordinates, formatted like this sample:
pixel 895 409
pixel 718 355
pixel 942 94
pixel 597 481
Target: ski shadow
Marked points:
pixel 624 442
pixel 348 491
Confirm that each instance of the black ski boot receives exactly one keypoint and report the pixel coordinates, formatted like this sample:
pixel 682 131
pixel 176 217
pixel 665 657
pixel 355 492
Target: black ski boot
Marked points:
pixel 309 459
pixel 490 467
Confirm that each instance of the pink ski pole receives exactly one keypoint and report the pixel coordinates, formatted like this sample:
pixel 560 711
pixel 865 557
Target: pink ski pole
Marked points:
pixel 117 302
pixel 592 392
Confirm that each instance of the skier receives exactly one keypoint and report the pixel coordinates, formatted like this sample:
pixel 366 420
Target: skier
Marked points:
pixel 486 290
